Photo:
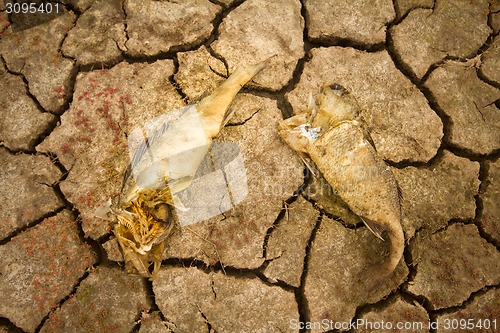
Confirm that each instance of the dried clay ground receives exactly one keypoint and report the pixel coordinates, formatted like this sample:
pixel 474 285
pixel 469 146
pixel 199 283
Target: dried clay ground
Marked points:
pixel 75 84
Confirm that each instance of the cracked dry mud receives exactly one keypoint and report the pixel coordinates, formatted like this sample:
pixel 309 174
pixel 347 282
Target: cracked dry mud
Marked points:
pixel 426 74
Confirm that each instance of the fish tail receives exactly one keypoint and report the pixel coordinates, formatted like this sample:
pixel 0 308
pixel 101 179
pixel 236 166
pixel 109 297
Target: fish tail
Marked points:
pixel 213 109
pixel 376 275
pixel 397 240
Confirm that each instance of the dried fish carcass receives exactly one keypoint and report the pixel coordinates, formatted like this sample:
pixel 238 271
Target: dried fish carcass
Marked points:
pixel 165 156
pixel 331 137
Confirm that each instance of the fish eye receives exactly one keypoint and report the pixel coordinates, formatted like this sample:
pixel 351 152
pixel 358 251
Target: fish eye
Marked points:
pixel 162 212
pixel 340 90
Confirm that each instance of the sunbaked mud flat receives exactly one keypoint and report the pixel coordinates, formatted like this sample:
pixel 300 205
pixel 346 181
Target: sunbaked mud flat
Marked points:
pixel 285 257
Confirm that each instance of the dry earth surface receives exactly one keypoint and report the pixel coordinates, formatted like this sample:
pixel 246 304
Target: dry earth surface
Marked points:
pixel 74 84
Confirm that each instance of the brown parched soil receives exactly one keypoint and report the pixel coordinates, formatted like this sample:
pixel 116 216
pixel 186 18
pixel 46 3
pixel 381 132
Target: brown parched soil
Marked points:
pixel 287 257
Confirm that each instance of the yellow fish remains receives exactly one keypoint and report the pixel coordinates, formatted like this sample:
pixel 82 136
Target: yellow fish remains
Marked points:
pixel 163 163
pixel 330 136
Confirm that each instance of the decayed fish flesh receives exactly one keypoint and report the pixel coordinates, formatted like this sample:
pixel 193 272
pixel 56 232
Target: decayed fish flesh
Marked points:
pixel 331 136
pixel 163 163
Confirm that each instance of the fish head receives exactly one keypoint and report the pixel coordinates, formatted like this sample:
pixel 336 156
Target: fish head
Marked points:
pixel 335 105
pixel 294 132
pixel 141 229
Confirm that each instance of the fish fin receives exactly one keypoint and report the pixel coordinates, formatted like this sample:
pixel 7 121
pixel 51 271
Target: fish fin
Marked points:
pixel 126 176
pixel 400 193
pixel 138 154
pixel 143 148
pixel 156 258
pixel 178 204
pixel 103 210
pixel 180 184
pixel 366 135
pixel 227 116
pixel 309 163
pixel 375 228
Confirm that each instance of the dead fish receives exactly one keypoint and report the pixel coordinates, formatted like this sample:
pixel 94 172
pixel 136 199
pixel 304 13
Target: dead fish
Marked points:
pixel 331 136
pixel 167 154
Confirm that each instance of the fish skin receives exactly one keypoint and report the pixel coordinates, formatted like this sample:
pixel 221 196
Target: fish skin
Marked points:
pixel 194 129
pixel 345 156
pixel 145 215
